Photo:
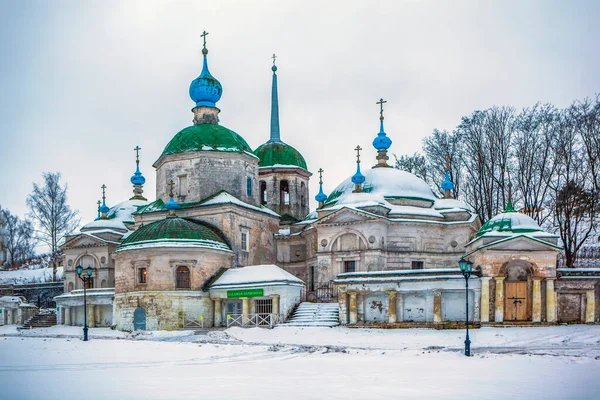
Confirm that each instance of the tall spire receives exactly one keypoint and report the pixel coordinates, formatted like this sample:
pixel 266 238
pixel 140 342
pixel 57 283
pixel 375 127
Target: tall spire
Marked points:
pixel 358 178
pixel 321 197
pixel 104 209
pixel 137 179
pixel 205 91
pixel 381 142
pixel 275 134
pixel 447 185
pixel 171 205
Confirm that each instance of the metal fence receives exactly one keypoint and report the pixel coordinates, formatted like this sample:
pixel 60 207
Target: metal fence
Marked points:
pixel 324 293
pixel 253 320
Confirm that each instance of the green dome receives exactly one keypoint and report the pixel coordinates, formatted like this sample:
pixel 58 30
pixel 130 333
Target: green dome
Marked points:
pixel 174 232
pixel 279 154
pixel 510 222
pixel 208 137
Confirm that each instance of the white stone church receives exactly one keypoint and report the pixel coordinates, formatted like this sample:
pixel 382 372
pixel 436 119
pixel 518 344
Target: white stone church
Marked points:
pixel 230 240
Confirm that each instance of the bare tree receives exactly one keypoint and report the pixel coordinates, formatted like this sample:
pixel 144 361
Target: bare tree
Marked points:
pixel 51 213
pixel 415 164
pixel 443 151
pixel 19 239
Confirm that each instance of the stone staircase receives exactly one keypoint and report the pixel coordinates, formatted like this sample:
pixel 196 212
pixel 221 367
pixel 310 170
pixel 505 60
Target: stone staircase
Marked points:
pixel 40 321
pixel 315 314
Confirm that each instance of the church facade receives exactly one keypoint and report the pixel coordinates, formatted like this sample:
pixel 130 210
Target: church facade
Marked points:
pixel 230 239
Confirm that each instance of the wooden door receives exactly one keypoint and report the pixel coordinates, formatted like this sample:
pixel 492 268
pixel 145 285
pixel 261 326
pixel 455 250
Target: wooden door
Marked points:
pixel 515 303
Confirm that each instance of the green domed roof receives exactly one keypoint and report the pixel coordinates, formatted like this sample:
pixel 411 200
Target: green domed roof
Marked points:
pixel 208 137
pixel 279 154
pixel 510 222
pixel 174 232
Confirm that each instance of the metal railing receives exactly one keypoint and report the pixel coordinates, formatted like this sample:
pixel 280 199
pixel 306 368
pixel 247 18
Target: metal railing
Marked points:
pixel 187 322
pixel 253 320
pixel 324 293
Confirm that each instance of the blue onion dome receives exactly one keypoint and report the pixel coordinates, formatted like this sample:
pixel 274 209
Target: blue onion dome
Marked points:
pixel 447 184
pixel 104 208
pixel 205 90
pixel 171 204
pixel 138 178
pixel 358 178
pixel 321 197
pixel 382 141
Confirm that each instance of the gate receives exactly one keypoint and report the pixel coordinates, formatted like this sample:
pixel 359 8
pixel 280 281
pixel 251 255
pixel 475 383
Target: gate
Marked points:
pixel 324 293
pixel 139 319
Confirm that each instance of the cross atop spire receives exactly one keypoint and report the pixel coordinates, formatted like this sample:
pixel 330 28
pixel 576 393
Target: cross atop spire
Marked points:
pixel 137 154
pixel 103 187
pixel 274 57
pixel 171 184
pixel 274 134
pixel 321 197
pixel 381 102
pixel 203 36
pixel 320 171
pixel 171 205
pixel 358 149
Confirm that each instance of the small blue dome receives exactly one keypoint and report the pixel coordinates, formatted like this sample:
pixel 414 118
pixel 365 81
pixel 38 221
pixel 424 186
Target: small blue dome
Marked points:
pixel 138 178
pixel 171 204
pixel 382 142
pixel 104 208
pixel 274 68
pixel 205 90
pixel 447 184
pixel 321 197
pixel 358 178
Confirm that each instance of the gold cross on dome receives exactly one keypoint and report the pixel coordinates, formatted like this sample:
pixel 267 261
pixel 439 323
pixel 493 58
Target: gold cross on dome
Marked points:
pixel 203 36
pixel 274 57
pixel 171 184
pixel 358 149
pixel 381 102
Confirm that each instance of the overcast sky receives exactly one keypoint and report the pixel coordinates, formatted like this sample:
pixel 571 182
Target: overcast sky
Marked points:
pixel 84 82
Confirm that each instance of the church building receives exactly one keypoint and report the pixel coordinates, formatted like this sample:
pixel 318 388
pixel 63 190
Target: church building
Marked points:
pixel 230 239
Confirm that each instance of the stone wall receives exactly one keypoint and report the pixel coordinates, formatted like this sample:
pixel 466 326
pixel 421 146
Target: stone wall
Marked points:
pixel 298 181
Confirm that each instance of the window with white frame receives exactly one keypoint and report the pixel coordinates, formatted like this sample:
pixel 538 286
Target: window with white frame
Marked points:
pixel 245 240
pixel 183 185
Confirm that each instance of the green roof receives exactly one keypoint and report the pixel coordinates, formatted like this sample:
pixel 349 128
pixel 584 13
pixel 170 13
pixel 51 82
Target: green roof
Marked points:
pixel 175 232
pixel 279 154
pixel 207 137
pixel 510 221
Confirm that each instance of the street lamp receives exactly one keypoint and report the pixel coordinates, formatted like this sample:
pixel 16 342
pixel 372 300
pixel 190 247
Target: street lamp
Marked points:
pixel 466 267
pixel 85 280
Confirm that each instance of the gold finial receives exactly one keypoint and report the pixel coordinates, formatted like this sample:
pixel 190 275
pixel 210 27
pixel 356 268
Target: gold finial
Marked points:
pixel 274 57
pixel 320 171
pixel 358 149
pixel 103 187
pixel 171 184
pixel 381 102
pixel 137 154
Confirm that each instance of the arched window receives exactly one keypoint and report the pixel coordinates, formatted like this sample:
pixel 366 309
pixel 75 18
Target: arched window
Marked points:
pixel 182 277
pixel 249 186
pixel 284 193
pixel 70 287
pixel 263 193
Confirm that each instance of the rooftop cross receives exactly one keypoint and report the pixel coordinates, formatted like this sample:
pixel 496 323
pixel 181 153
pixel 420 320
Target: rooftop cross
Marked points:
pixel 137 154
pixel 358 149
pixel 203 36
pixel 99 204
pixel 274 57
pixel 320 171
pixel 381 102
pixel 171 184
pixel 103 187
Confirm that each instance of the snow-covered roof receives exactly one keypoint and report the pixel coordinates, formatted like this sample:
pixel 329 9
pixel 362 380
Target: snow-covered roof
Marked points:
pixel 264 275
pixel 118 216
pixel 446 204
pixel 383 183
pixel 226 198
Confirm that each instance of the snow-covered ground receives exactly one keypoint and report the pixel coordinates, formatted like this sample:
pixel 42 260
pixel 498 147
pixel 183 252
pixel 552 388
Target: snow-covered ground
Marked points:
pixel 35 274
pixel 307 363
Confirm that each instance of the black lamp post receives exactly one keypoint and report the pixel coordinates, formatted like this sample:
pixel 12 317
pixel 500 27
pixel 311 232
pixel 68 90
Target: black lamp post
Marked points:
pixel 466 267
pixel 85 280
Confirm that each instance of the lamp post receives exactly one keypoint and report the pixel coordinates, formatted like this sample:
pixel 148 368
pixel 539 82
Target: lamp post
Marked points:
pixel 466 267
pixel 85 280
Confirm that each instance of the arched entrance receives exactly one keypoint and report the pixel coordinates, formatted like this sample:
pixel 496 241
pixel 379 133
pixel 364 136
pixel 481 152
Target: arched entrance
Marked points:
pixel 516 291
pixel 139 319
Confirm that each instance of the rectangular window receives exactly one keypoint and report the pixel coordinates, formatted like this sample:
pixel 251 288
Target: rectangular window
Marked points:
pixel 263 193
pixel 143 275
pixel 349 266
pixel 183 185
pixel 249 186
pixel 417 265
pixel 244 242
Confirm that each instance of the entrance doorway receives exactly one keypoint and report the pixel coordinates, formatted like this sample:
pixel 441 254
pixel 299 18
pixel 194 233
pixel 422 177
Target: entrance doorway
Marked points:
pixel 233 308
pixel 515 303
pixel 139 319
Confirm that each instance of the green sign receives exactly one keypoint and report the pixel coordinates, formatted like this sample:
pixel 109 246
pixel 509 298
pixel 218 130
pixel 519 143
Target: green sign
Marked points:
pixel 236 294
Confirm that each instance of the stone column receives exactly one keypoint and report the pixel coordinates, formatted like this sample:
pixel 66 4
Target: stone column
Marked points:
pixel 342 300
pixel 400 308
pixel 67 320
pixel 392 312
pixel 275 307
pixel 245 310
pixel 218 313
pixel 536 309
pixel 9 316
pixel 550 300
pixel 437 306
pixel 590 306
pixel 91 314
pixel 499 312
pixel 353 308
pixel 485 299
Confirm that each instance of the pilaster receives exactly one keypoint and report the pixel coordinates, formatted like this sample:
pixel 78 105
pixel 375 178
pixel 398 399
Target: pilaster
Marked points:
pixel 550 300
pixel 499 311
pixel 437 306
pixel 485 299
pixel 536 309
pixel 392 312
pixel 590 306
